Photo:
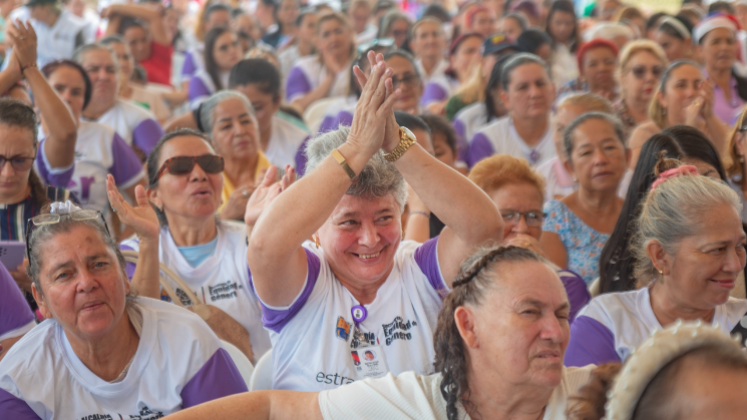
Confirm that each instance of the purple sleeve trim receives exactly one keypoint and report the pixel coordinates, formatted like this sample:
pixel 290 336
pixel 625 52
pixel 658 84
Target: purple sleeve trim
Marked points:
pixel 344 118
pixel 55 178
pixel 329 123
pixel 276 319
pixel 591 343
pixel 217 378
pixel 146 135
pixel 15 408
pixel 296 84
pixel 479 149
pixel 197 89
pixel 575 288
pixel 14 310
pixel 426 256
pixel 433 93
pixel 126 165
pixel 462 146
pixel 129 267
pixel 189 67
pixel 301 157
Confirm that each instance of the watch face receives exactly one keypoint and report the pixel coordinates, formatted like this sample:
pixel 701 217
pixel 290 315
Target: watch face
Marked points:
pixel 408 133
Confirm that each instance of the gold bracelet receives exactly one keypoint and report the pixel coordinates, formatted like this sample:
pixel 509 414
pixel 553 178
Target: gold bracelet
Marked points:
pixel 406 139
pixel 341 160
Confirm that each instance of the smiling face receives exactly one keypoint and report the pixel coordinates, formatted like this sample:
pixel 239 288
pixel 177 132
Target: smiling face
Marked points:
pixel 69 84
pixel 196 195
pixel 641 75
pixel 407 80
pixel 102 70
pixel 83 285
pixel 704 267
pixel 227 51
pixel 360 239
pixel 524 319
pixel 598 160
pixel 719 48
pixel 530 92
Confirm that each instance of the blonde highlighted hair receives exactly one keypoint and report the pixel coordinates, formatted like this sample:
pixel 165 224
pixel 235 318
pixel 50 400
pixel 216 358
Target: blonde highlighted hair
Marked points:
pixel 499 170
pixel 634 47
pixel 732 163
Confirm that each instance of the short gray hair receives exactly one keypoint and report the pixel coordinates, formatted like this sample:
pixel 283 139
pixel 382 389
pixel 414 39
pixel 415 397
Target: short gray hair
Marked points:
pixel 377 179
pixel 84 49
pixel 609 119
pixel 672 212
pixel 518 60
pixel 207 119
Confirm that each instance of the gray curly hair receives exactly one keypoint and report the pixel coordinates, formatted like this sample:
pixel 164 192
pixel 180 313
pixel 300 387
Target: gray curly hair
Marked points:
pixel 377 179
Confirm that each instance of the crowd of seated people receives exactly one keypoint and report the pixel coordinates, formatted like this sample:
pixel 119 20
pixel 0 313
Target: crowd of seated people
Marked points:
pixel 359 209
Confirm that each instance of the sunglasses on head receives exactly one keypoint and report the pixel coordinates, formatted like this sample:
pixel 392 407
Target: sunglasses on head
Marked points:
pixel 640 71
pixel 183 165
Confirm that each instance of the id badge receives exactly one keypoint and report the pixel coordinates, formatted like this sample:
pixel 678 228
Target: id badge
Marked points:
pixel 369 362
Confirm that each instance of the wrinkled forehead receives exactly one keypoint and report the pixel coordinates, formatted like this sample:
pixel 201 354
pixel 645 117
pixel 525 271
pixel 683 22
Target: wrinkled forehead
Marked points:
pixel 365 206
pixel 528 281
pixel 80 241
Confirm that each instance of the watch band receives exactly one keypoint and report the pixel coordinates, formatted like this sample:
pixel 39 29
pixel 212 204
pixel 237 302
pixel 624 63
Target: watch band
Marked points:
pixel 406 139
pixel 341 160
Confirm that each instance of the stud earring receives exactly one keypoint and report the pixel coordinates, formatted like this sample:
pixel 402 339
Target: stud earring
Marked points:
pixel 316 241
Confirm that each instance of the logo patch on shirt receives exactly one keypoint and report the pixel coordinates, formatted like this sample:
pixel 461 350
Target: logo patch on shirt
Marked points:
pixel 222 291
pixel 343 329
pixel 144 414
pixel 391 333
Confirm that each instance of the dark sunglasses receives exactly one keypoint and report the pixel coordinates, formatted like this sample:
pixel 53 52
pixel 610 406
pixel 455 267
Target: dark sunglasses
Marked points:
pixel 640 71
pixel 19 163
pixel 183 165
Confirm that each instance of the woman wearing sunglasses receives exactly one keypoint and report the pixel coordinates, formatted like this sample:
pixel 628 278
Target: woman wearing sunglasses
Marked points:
pixel 222 52
pixel 185 185
pixel 106 353
pixel 359 286
pixel 641 64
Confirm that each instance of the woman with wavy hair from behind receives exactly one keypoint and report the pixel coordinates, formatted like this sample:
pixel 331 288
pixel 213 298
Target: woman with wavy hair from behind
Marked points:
pixel 506 301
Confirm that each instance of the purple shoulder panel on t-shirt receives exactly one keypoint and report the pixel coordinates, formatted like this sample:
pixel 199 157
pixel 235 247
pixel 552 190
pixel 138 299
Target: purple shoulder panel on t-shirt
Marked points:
pixel 60 179
pixel 146 135
pixel 301 157
pixel 15 408
pixel 575 288
pixel 129 267
pixel 217 378
pixel 479 149
pixel 197 88
pixel 328 124
pixel 14 310
pixel 591 343
pixel 274 319
pixel 426 256
pixel 433 92
pixel 462 146
pixel 296 84
pixel 189 67
pixel 126 163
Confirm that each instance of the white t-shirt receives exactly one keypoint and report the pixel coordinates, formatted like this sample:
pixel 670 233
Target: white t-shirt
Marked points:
pixel 288 134
pixel 100 151
pixel 222 280
pixel 308 73
pixel 439 70
pixel 311 337
pixel 54 42
pixel 613 324
pixel 500 137
pixel 564 65
pixel 418 397
pixel 134 124
pixel 178 364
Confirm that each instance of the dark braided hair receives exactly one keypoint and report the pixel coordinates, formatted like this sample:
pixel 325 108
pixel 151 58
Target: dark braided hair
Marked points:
pixel 476 276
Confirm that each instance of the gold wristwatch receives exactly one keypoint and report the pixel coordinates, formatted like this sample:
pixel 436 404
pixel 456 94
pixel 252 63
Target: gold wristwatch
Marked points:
pixel 406 139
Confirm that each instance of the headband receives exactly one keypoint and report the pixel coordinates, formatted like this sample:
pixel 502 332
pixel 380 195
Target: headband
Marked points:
pixel 677 25
pixel 674 173
pixel 652 356
pixel 715 22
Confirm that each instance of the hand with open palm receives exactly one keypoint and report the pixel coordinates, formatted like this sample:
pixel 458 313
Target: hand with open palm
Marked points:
pixel 141 218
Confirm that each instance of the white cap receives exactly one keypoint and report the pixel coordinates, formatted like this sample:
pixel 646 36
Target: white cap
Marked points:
pixel 711 23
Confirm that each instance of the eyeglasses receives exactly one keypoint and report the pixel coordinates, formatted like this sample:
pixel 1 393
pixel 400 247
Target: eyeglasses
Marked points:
pixel 54 218
pixel 19 163
pixel 533 218
pixel 408 81
pixel 741 129
pixel 182 165
pixel 640 71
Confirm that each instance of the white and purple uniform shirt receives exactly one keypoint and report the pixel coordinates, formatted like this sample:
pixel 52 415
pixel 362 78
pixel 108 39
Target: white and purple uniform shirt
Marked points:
pixel 56 177
pixel 222 280
pixel 500 137
pixel 287 142
pixel 575 288
pixel 179 363
pixel 311 337
pixel 55 42
pixel 438 71
pixel 137 126
pixel 614 324
pixel 100 151
pixel 201 86
pixel 16 318
pixel 339 113
pixel 467 122
pixel 439 88
pixel 308 73
pixel 193 61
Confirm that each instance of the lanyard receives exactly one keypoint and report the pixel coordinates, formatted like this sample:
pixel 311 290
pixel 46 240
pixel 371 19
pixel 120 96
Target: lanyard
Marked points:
pixel 359 313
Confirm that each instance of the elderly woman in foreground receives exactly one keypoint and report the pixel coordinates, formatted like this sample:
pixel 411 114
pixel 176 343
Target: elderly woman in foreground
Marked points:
pixel 506 301
pixel 359 287
pixel 104 352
